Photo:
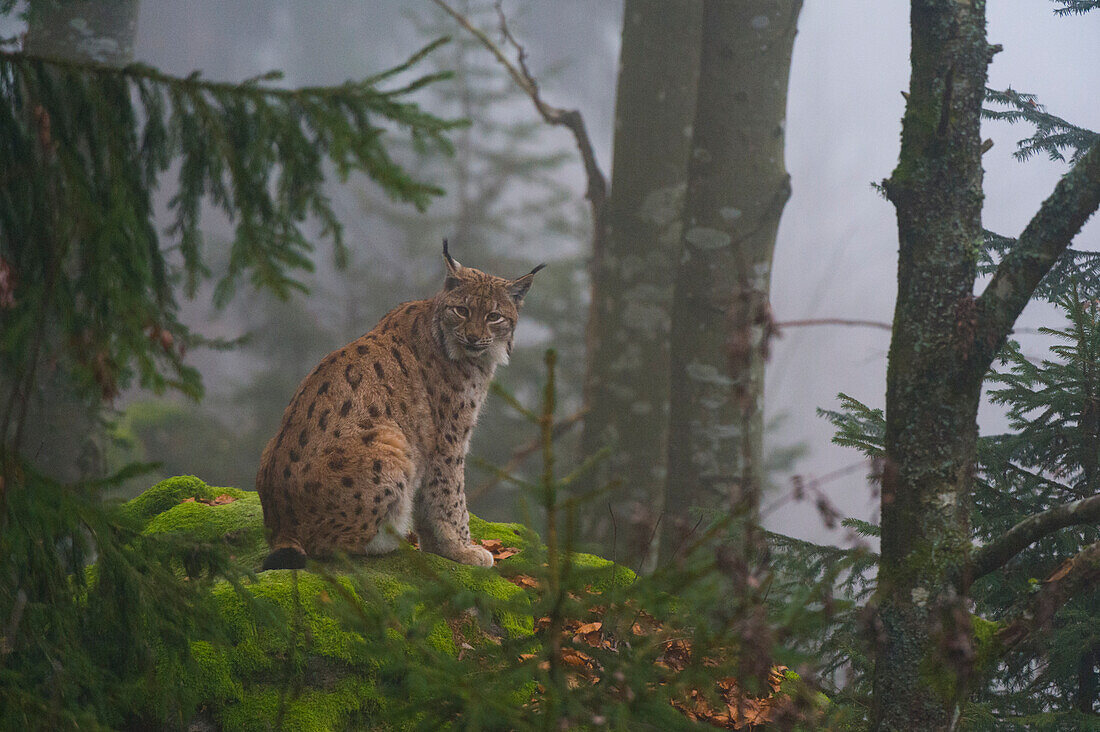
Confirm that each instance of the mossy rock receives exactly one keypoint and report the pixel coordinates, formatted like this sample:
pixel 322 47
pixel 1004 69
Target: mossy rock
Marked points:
pixel 171 492
pixel 313 650
pixel 401 641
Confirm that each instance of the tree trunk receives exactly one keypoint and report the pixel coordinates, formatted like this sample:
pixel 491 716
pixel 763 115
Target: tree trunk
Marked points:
pixel 737 188
pixel 934 375
pixel 83 30
pixel 944 340
pixel 76 30
pixel 627 381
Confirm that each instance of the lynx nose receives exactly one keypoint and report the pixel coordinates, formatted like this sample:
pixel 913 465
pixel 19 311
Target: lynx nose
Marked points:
pixel 474 343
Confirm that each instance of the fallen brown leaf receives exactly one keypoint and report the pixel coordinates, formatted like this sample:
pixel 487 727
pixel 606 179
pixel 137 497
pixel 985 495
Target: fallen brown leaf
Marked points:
pixel 524 580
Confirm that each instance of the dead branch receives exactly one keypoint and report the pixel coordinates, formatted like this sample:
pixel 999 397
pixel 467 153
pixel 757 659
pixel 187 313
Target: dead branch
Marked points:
pixel 571 119
pixel 1077 574
pixel 996 554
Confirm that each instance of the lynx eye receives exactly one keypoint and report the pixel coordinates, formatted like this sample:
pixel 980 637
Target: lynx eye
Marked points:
pixel 494 317
pixel 461 311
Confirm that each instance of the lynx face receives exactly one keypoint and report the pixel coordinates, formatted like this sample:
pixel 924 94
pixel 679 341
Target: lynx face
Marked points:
pixel 477 313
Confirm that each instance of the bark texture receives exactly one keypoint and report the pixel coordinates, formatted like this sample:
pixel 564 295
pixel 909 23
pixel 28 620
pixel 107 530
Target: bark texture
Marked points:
pixel 944 340
pixel 996 554
pixel 627 380
pixel 737 188
pixel 932 386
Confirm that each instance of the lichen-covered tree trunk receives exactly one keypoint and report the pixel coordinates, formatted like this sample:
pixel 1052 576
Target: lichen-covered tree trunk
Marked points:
pixel 627 379
pixel 934 375
pixel 944 340
pixel 737 188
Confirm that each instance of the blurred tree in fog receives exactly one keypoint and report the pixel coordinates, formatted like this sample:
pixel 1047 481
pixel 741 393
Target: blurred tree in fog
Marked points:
pixel 737 187
pixel 626 387
pixel 505 209
pixel 77 31
pixel 712 272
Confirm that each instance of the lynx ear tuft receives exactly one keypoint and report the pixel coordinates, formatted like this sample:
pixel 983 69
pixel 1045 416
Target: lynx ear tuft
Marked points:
pixel 453 268
pixel 517 288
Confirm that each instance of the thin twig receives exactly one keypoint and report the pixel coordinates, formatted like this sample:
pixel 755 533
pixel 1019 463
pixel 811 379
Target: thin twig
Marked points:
pixel 568 118
pixel 833 321
pixel 880 324
pixel 814 486
pixel 524 452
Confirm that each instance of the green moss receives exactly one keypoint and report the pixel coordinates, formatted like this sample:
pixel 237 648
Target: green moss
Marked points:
pixel 986 646
pixel 170 492
pixel 304 600
pixel 309 649
pixel 310 710
pixel 515 535
pixel 441 639
pixel 215 678
pixel 239 524
pixel 601 574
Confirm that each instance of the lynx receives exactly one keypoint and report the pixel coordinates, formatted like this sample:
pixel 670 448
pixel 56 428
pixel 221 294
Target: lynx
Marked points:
pixel 375 439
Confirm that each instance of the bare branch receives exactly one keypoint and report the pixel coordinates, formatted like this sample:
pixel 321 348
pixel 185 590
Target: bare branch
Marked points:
pixel 568 118
pixel 1076 574
pixel 880 324
pixel 834 321
pixel 995 555
pixel 1046 236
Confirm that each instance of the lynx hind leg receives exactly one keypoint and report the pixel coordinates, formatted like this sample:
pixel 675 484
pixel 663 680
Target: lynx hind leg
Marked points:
pixel 377 506
pixel 442 522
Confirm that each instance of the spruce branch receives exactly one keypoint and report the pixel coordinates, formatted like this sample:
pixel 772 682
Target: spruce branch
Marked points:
pixel 996 554
pixel 1075 7
pixel 1053 135
pixel 1077 574
pixel 1043 241
pixel 90 142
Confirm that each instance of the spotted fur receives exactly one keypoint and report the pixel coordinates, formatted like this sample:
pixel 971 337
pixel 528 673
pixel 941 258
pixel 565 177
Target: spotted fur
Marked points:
pixel 375 439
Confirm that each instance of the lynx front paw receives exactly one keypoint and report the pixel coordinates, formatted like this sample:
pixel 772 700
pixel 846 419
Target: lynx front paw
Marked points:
pixel 476 555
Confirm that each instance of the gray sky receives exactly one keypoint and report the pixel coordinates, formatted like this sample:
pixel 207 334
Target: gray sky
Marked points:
pixel 836 255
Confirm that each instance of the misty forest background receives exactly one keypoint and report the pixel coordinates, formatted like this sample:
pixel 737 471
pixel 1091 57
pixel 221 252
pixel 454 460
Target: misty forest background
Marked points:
pixel 834 256
pixel 816 456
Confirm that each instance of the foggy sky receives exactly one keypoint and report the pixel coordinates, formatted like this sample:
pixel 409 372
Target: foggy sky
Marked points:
pixel 836 255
